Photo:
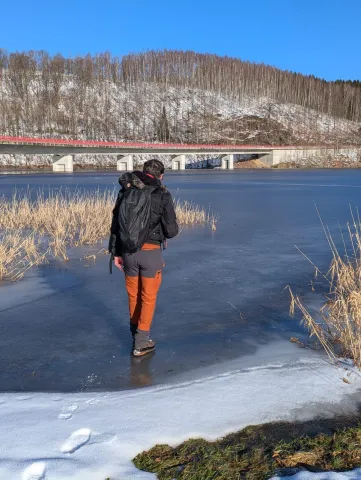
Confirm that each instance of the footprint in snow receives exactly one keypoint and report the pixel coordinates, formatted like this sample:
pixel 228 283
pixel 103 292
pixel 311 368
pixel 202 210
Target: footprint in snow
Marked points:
pixel 36 471
pixel 67 412
pixel 24 397
pixel 76 440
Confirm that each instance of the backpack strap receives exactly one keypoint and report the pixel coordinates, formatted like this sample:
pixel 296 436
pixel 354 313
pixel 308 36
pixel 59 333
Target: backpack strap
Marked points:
pixel 113 229
pixel 161 190
pixel 111 260
pixel 163 239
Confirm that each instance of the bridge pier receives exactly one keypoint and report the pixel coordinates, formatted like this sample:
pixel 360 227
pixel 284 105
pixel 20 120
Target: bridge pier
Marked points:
pixel 179 162
pixel 125 162
pixel 63 163
pixel 227 162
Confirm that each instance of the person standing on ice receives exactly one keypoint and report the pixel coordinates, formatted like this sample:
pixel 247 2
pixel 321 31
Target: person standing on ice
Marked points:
pixel 143 218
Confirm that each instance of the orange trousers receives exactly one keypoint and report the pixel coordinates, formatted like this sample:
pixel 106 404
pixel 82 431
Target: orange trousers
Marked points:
pixel 142 295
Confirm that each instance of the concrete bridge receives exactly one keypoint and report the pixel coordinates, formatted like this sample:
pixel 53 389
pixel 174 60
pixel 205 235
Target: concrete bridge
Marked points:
pixel 63 151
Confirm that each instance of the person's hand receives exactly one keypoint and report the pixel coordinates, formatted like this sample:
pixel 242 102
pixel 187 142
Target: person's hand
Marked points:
pixel 118 262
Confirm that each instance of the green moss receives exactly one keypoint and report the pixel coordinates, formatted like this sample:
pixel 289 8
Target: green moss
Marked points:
pixel 255 453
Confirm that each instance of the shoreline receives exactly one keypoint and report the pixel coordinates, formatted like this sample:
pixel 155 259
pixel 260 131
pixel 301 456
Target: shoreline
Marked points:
pixel 117 439
pixel 90 168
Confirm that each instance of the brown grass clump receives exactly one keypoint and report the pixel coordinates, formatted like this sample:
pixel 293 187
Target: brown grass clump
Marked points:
pixel 339 327
pixel 18 253
pixel 67 218
pixel 190 214
pixel 63 219
pixel 299 458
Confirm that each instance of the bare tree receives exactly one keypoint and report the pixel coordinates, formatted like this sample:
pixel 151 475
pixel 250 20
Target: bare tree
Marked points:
pixel 163 95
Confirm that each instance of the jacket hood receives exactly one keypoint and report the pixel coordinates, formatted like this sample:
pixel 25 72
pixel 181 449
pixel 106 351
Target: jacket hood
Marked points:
pixel 130 180
pixel 138 179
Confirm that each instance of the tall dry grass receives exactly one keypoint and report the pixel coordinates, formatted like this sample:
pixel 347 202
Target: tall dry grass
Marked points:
pixel 338 327
pixel 66 218
pixel 190 214
pixel 63 219
pixel 19 252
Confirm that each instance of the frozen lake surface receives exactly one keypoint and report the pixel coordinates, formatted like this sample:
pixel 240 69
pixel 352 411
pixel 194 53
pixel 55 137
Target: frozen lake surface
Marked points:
pixel 65 327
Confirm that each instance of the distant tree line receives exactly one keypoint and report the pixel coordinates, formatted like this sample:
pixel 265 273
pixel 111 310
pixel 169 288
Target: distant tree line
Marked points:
pixel 103 96
pixel 235 78
pixel 354 83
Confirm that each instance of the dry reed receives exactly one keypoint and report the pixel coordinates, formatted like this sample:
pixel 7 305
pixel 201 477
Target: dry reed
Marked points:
pixel 66 218
pixel 61 220
pixel 19 252
pixel 339 326
pixel 190 214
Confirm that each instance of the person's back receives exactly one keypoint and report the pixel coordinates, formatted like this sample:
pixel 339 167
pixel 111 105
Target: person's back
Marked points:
pixel 143 267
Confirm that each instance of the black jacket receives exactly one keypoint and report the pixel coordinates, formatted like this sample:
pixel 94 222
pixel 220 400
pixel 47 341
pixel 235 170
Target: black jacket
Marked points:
pixel 163 221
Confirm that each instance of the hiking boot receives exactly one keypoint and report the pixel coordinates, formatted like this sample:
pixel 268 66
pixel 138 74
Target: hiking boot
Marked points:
pixel 148 347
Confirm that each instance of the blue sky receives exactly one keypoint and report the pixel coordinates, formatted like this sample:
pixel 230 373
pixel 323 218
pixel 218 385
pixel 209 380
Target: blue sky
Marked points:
pixel 316 37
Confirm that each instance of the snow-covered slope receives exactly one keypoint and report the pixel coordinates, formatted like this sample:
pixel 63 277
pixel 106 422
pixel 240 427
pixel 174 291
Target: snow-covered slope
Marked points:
pixel 148 112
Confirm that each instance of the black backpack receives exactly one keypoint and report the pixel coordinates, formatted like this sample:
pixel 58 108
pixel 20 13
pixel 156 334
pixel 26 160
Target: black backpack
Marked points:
pixel 134 217
pixel 131 216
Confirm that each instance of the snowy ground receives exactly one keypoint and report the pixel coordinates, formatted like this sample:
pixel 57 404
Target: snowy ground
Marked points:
pixel 95 436
pixel 354 475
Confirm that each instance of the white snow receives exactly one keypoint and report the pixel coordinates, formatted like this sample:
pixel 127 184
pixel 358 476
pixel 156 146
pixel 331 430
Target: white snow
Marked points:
pixel 67 412
pixel 107 430
pixel 354 475
pixel 36 471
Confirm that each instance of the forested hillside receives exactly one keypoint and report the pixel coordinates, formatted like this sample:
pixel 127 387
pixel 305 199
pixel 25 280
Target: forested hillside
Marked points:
pixel 172 96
